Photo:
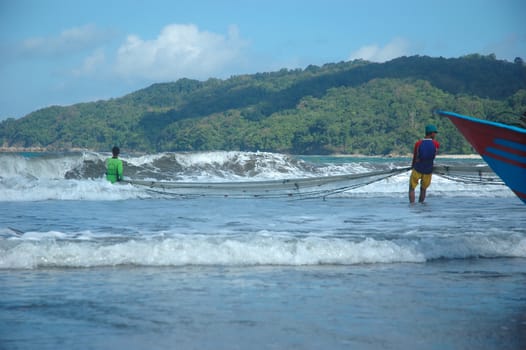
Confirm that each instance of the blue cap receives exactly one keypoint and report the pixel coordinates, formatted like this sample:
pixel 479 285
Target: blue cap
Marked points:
pixel 431 128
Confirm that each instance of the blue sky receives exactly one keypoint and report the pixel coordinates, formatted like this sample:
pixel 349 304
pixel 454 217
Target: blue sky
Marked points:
pixel 61 52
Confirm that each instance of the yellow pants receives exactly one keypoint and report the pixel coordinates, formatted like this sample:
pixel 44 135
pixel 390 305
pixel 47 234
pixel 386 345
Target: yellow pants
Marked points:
pixel 425 180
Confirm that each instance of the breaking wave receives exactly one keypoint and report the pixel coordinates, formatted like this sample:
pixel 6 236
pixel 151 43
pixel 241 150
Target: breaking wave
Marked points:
pixel 80 175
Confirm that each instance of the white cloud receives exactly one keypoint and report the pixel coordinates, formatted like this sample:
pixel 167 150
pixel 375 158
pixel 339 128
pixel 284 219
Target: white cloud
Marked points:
pixel 396 48
pixel 509 47
pixel 180 50
pixel 69 41
pixel 92 63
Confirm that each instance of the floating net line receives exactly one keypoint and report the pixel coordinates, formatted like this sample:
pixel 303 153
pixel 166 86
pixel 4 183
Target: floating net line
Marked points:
pixel 300 188
pixel 479 175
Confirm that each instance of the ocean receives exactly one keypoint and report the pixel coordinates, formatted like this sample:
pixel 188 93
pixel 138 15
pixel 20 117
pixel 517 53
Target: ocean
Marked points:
pixel 89 265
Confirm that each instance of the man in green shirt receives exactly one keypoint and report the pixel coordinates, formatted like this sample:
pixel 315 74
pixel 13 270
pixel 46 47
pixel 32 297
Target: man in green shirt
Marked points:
pixel 114 166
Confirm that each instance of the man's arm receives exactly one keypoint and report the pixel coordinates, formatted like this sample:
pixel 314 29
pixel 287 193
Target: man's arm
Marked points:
pixel 119 171
pixel 415 153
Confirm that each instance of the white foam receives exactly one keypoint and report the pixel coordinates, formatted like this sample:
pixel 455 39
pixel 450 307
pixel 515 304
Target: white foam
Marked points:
pixel 52 250
pixel 398 185
pixel 61 189
pixel 32 168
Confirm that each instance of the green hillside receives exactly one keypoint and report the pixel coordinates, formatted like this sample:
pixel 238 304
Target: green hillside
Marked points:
pixel 347 107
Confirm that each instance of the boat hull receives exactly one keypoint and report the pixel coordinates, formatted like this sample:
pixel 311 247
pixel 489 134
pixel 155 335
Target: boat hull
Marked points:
pixel 502 146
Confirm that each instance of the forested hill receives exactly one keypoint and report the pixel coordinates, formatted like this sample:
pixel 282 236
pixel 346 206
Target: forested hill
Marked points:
pixel 348 107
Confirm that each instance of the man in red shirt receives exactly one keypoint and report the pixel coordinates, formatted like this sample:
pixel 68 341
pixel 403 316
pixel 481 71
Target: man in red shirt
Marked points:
pixel 424 154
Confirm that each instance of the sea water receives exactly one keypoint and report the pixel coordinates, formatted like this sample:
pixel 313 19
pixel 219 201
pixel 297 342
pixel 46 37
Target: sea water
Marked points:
pixel 89 265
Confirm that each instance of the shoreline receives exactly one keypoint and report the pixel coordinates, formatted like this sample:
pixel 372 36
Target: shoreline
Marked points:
pixel 337 155
pixel 440 156
pixel 459 156
pixel 40 150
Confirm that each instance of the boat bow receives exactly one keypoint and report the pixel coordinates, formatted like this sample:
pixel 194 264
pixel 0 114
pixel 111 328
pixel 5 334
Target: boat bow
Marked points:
pixel 502 146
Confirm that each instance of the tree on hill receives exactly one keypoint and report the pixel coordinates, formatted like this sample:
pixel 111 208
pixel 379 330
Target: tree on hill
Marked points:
pixel 345 107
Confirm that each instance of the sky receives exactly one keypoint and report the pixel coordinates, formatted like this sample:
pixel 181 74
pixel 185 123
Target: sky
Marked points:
pixel 62 52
